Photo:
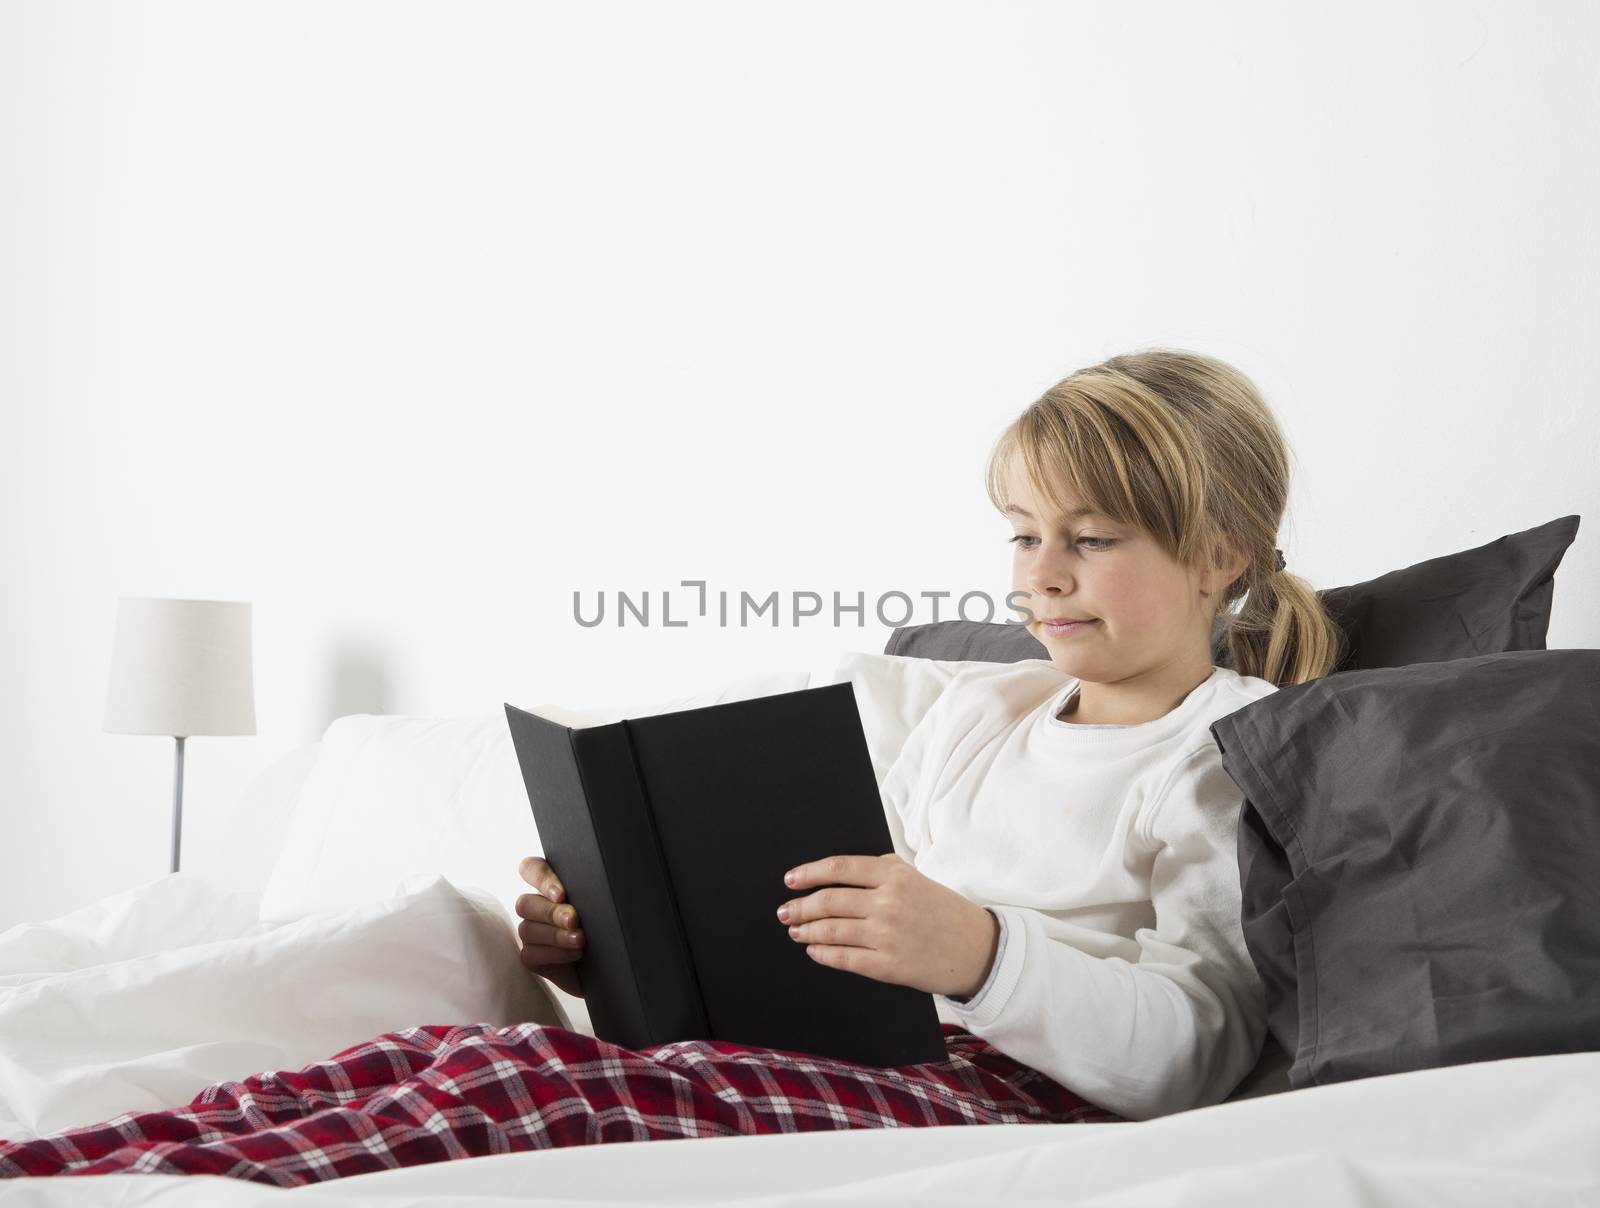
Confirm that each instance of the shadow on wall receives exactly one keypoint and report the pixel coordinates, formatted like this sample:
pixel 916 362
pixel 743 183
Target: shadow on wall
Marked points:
pixel 358 680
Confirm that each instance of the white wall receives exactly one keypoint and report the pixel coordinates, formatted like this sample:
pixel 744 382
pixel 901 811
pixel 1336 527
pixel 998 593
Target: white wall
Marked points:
pixel 404 321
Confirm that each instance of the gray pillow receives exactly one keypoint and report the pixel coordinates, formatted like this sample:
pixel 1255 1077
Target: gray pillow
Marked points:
pixel 1417 854
pixel 983 641
pixel 1479 601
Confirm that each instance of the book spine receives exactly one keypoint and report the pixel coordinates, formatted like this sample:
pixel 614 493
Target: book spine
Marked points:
pixel 570 838
pixel 669 1003
pixel 692 1015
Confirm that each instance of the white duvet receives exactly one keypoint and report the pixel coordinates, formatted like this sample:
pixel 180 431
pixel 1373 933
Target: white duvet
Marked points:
pixel 141 1000
pixel 137 1002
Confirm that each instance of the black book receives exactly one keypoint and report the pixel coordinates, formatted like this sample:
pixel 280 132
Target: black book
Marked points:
pixel 671 834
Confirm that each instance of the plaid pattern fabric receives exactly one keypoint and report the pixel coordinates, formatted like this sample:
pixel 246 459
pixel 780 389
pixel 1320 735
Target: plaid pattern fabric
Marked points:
pixel 433 1093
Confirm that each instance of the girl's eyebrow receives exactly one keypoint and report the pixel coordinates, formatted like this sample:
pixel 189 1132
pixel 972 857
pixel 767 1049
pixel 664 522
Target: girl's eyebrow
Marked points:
pixel 1075 514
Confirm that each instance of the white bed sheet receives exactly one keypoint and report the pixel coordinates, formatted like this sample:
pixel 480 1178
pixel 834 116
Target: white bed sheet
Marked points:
pixel 168 979
pixel 1523 1132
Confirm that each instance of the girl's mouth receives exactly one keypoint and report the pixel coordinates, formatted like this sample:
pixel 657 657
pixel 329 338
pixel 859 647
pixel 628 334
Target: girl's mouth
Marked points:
pixel 1065 629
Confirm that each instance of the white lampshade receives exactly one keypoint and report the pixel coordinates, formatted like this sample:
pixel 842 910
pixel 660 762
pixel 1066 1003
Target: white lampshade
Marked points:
pixel 181 667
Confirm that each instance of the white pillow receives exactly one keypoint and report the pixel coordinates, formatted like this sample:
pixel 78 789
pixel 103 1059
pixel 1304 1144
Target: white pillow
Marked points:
pixel 893 691
pixel 392 797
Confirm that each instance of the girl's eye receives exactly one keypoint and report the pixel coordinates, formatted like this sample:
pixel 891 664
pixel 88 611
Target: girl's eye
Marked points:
pixel 1099 543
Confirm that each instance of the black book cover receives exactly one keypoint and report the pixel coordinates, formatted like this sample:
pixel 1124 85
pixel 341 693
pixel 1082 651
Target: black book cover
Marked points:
pixel 671 834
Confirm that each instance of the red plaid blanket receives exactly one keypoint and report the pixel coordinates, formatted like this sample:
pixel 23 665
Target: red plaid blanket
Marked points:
pixel 430 1094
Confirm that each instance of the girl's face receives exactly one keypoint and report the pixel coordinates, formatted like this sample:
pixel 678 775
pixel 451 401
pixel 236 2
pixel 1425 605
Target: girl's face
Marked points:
pixel 1145 613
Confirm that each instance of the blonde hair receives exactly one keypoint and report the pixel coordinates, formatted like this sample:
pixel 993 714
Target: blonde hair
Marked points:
pixel 1182 446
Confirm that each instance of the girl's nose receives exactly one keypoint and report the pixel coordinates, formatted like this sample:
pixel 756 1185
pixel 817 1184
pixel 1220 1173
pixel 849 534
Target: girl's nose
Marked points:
pixel 1047 578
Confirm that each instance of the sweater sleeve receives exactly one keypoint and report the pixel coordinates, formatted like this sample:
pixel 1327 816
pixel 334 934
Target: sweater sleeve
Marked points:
pixel 1179 1027
pixel 971 1004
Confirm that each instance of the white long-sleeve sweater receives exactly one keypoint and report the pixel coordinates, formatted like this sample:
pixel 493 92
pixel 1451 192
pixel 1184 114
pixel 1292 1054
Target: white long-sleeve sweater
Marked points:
pixel 1109 856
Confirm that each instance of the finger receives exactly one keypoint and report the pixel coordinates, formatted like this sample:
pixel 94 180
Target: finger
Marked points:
pixel 536 956
pixel 841 933
pixel 530 932
pixel 536 871
pixel 533 869
pixel 541 958
pixel 851 960
pixel 838 870
pixel 536 907
pixel 548 888
pixel 834 901
pixel 537 910
pixel 543 910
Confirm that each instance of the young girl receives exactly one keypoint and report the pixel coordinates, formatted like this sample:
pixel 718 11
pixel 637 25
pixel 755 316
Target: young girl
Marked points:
pixel 1065 877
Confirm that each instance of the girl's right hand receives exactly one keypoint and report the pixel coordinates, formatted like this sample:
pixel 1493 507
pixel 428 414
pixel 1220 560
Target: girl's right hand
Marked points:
pixel 551 940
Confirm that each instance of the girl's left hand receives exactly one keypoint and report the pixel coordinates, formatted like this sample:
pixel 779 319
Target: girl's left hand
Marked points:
pixel 900 926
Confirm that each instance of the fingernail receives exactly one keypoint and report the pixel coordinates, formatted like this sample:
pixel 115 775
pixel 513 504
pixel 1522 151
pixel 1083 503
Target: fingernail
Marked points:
pixel 555 893
pixel 783 913
pixel 788 878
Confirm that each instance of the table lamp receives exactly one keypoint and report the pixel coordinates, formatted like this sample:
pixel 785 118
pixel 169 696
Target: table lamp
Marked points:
pixel 181 668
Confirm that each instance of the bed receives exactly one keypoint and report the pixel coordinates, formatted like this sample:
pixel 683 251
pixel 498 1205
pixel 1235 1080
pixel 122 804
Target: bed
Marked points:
pixel 389 908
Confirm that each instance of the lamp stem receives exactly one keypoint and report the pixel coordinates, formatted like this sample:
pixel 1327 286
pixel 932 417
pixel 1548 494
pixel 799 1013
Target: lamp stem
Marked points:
pixel 177 802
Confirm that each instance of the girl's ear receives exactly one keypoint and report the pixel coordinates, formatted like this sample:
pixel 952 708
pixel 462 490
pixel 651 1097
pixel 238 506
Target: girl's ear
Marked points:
pixel 1229 561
